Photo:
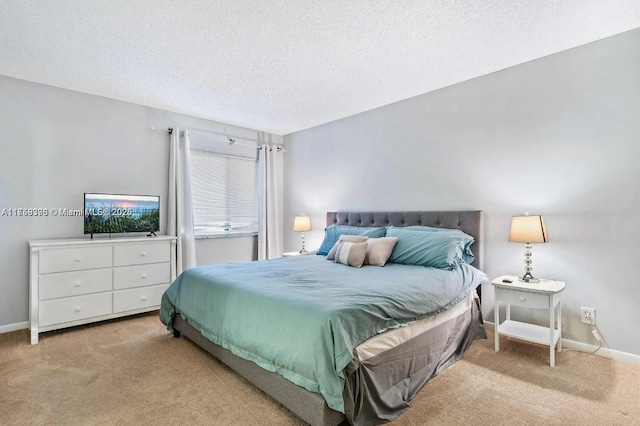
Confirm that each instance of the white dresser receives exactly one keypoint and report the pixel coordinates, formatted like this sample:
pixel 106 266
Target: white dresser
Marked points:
pixel 78 281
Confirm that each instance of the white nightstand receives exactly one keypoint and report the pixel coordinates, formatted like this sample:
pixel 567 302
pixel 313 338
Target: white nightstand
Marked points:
pixel 542 295
pixel 292 253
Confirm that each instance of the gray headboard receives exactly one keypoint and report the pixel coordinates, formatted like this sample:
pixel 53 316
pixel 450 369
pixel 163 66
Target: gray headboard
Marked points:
pixel 470 222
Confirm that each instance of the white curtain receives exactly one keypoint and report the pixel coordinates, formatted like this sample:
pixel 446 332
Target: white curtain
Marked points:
pixel 180 207
pixel 270 164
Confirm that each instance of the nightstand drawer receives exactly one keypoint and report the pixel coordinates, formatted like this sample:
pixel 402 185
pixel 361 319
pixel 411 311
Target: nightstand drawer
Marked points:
pixel 521 298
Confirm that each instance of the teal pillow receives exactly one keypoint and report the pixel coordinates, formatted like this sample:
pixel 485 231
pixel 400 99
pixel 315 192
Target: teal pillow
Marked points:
pixel 332 234
pixel 467 254
pixel 443 250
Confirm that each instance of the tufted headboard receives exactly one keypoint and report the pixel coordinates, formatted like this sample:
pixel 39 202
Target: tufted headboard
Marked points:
pixel 470 222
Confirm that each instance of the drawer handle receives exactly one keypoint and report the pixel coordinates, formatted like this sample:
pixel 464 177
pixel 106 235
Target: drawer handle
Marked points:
pixel 78 308
pixel 76 285
pixel 77 259
pixel 143 298
pixel 143 276
pixel 522 298
pixel 144 253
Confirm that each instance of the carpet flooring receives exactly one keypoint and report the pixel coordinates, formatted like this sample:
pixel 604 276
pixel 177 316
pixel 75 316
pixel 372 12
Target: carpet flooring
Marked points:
pixel 128 372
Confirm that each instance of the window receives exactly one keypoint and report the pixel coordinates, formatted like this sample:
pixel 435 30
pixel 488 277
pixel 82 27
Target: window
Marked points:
pixel 225 194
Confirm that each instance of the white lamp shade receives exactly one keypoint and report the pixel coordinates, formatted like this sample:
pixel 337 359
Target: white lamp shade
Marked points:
pixel 302 223
pixel 528 229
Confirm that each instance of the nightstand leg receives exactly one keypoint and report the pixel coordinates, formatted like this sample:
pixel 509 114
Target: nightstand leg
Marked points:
pixel 496 320
pixel 552 346
pixel 560 326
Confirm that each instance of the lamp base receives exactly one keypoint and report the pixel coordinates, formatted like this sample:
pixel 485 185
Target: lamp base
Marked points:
pixel 303 250
pixel 528 278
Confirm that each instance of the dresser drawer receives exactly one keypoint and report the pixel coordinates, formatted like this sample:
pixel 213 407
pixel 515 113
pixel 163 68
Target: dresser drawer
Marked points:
pixel 521 298
pixel 135 254
pixel 58 311
pixel 74 259
pixel 141 275
pixel 138 298
pixel 63 284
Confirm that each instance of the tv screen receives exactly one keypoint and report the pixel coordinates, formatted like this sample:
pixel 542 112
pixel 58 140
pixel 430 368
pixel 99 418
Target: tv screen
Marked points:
pixel 119 213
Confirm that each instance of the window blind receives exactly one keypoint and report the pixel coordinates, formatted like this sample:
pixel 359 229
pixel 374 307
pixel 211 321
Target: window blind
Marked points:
pixel 225 194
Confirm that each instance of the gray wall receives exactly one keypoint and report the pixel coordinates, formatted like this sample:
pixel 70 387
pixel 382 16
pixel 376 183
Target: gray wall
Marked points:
pixel 57 144
pixel 559 136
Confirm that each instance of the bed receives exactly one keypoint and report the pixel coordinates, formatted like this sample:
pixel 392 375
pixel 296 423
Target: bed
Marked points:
pixel 331 342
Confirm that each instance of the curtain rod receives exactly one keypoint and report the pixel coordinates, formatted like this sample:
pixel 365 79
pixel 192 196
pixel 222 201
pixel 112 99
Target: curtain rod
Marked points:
pixel 169 130
pixel 229 140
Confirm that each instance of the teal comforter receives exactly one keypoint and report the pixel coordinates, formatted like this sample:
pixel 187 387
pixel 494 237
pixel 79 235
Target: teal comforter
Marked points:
pixel 302 316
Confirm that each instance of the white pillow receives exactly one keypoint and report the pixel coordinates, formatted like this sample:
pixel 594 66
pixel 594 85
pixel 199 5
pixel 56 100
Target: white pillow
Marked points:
pixel 379 250
pixel 351 254
pixel 349 238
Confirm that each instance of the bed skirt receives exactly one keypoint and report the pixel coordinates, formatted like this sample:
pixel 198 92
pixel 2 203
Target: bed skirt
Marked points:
pixel 378 390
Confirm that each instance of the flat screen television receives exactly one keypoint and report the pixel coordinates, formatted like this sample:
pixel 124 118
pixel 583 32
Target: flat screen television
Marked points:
pixel 121 213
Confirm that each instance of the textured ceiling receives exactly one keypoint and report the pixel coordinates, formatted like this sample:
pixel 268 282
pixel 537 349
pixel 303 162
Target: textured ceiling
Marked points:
pixel 283 66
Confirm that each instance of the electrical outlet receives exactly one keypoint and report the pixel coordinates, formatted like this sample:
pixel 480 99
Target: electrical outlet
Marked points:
pixel 588 316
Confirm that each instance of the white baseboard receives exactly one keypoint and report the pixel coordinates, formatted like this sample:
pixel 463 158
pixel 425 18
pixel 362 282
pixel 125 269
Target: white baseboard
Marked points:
pixel 603 352
pixel 585 347
pixel 14 327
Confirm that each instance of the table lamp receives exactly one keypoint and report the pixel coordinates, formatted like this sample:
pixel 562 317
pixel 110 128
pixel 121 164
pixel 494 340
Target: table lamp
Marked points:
pixel 528 229
pixel 302 223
